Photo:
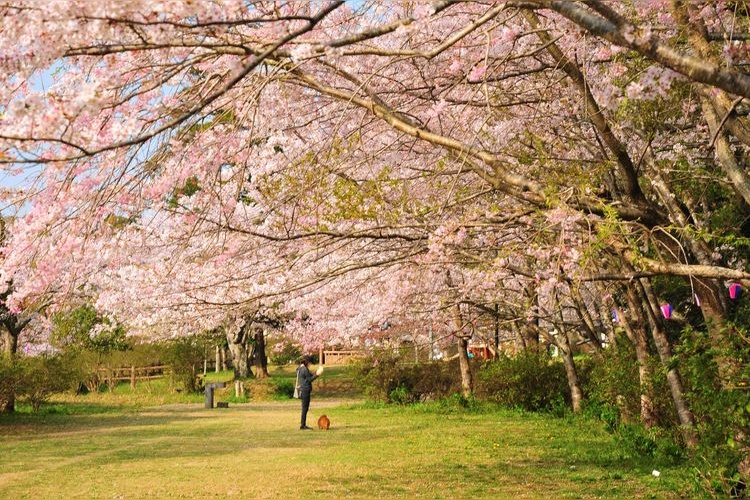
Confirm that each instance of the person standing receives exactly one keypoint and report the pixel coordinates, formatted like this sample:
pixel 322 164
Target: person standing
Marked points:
pixel 304 388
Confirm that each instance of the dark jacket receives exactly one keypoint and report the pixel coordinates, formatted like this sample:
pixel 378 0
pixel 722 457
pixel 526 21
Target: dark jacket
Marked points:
pixel 305 378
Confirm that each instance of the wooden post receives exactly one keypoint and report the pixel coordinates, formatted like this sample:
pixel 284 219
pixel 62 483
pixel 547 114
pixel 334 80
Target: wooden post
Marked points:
pixel 132 377
pixel 209 393
pixel 321 357
pixel 209 396
pixel 218 359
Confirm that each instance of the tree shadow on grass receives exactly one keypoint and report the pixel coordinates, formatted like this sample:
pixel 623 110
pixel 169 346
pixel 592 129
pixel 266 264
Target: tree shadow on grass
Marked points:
pixel 170 431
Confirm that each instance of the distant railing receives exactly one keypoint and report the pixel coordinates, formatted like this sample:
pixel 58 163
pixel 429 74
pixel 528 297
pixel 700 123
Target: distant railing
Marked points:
pixel 133 373
pixel 341 357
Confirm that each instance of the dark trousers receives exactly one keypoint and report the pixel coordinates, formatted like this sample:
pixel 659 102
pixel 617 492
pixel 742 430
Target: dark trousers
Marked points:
pixel 305 398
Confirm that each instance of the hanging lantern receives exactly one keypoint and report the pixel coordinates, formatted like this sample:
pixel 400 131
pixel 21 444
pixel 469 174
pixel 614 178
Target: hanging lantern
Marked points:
pixel 666 310
pixel 615 316
pixel 734 291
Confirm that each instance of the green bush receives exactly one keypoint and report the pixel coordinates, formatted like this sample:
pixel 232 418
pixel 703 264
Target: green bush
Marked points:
pixel 401 395
pixel 613 388
pixel 721 405
pixel 633 441
pixel 43 376
pixel 283 387
pixel 386 378
pixel 529 380
pixel 458 403
pixel 609 414
pixel 93 365
pixel 613 392
pixel 186 356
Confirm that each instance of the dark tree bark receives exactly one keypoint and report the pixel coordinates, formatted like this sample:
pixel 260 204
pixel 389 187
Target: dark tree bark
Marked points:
pixel 528 336
pixel 259 358
pixel 10 346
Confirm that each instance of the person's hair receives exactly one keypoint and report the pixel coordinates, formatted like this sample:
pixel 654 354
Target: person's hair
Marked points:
pixel 305 360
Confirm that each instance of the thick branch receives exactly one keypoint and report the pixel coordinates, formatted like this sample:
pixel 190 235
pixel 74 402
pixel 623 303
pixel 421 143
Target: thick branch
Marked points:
pixel 645 43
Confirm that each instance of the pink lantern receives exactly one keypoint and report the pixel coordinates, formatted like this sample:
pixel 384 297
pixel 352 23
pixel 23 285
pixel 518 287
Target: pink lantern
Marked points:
pixel 734 291
pixel 666 310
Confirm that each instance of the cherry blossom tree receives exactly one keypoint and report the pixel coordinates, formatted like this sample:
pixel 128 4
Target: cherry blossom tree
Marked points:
pixel 193 164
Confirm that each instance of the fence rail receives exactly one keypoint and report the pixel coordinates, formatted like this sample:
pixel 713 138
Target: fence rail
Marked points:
pixel 134 373
pixel 340 357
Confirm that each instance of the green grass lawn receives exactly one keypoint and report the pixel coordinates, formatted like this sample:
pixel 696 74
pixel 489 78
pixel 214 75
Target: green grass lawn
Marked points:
pixel 97 450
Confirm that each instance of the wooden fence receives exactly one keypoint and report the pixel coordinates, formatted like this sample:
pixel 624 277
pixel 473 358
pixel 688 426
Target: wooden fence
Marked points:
pixel 340 357
pixel 133 373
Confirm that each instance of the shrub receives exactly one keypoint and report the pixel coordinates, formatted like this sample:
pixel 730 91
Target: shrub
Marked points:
pixel 633 441
pixel 42 376
pixel 721 407
pixel 401 395
pixel 529 380
pixel 186 356
pixel 613 387
pixel 93 365
pixel 384 377
pixel 283 387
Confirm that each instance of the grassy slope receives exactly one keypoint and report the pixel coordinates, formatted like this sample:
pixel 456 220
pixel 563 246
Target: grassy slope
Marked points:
pixel 256 451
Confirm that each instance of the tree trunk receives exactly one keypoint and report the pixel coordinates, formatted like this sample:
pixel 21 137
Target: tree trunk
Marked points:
pixel 529 335
pixel 462 343
pixel 576 394
pixel 240 360
pixel 238 348
pixel 10 343
pixel 636 332
pixel 590 330
pixel 496 325
pixel 527 331
pixel 260 360
pixel 10 348
pixel 519 342
pixel 710 292
pixel 467 381
pixel 663 348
